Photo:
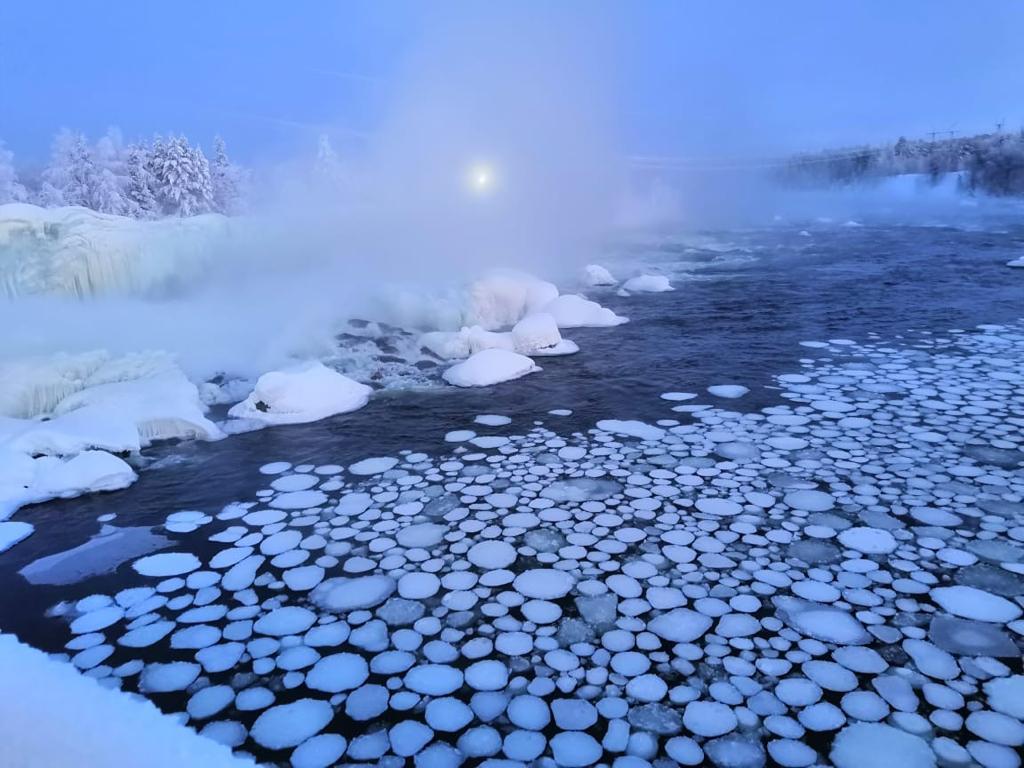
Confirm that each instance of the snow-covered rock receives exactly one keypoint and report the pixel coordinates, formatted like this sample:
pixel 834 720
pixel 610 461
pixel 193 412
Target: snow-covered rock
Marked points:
pixel 480 339
pixel 61 717
pixel 78 252
pixel 574 311
pixel 306 392
pixel 501 298
pixel 538 334
pixel 595 275
pixel 448 345
pixel 647 284
pixel 491 366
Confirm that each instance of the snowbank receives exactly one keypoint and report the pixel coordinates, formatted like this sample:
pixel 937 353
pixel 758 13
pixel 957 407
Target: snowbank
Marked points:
pixel 25 479
pixel 595 275
pixel 491 366
pixel 63 418
pixel 50 715
pixel 78 252
pixel 574 311
pixel 647 284
pixel 307 392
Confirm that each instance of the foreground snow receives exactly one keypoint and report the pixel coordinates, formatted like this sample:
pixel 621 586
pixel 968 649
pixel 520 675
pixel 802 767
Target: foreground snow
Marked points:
pixel 51 715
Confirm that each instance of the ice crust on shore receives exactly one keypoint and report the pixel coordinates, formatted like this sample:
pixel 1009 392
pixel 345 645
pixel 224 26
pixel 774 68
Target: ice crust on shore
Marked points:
pixel 799 582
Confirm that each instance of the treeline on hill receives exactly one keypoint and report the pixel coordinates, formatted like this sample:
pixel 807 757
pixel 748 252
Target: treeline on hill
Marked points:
pixel 992 163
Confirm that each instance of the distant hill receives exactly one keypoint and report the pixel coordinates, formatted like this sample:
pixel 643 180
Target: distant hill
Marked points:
pixel 991 163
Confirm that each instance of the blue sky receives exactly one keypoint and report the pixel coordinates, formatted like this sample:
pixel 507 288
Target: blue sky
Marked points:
pixel 679 78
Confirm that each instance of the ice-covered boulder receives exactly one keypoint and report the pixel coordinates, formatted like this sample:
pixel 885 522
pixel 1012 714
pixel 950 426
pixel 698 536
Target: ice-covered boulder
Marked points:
pixel 79 252
pixel 535 332
pixel 491 366
pixel 479 340
pixel 574 311
pixel 596 275
pixel 307 392
pixel 458 345
pixel 448 345
pixel 647 284
pixel 500 299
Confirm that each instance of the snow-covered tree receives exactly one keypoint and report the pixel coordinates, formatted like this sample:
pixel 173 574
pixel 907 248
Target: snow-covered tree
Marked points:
pixel 71 178
pixel 226 179
pixel 11 190
pixel 140 200
pixel 112 175
pixel 182 178
pixel 327 168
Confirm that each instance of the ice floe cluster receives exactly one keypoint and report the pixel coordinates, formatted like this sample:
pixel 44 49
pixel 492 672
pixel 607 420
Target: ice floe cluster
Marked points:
pixel 836 579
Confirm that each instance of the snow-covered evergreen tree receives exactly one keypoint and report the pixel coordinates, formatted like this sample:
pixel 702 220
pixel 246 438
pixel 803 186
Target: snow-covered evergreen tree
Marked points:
pixel 226 180
pixel 11 190
pixel 112 176
pixel 71 178
pixel 140 201
pixel 182 178
pixel 327 168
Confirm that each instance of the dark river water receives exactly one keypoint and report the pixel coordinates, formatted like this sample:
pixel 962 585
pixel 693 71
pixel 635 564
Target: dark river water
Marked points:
pixel 744 301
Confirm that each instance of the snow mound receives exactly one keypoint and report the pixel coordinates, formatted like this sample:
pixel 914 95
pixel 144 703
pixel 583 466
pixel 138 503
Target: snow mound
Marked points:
pixel 647 284
pixel 491 366
pixel 74 251
pixel 574 311
pixel 60 717
pixel 306 392
pixel 595 275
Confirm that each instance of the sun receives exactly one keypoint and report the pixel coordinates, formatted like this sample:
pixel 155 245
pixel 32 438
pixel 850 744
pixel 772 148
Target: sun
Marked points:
pixel 480 178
